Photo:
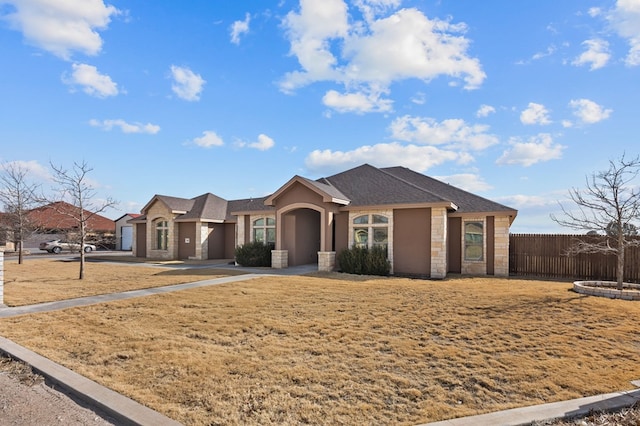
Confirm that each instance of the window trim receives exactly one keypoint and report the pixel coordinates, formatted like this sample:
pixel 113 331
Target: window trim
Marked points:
pixel 161 234
pixel 267 223
pixel 468 243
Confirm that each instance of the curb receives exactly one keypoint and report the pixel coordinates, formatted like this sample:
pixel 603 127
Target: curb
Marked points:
pixel 115 405
pixel 546 412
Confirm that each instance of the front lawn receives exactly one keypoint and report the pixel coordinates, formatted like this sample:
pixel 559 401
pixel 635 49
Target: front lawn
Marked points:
pixel 46 280
pixel 329 350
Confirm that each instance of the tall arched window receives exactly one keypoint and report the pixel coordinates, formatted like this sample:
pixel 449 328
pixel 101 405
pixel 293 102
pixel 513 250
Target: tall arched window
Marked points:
pixel 162 234
pixel 264 230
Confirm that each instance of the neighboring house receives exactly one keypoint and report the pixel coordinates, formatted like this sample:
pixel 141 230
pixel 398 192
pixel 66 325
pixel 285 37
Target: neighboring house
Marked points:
pixel 124 231
pixel 52 223
pixel 429 228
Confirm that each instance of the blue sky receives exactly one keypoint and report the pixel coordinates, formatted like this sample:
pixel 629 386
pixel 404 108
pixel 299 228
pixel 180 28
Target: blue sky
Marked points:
pixel 516 101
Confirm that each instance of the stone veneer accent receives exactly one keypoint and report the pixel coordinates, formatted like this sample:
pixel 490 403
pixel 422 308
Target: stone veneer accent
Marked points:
pixel 501 257
pixel 240 230
pixel 326 261
pixel 438 243
pixel 157 211
pixel 279 259
pixel 1 277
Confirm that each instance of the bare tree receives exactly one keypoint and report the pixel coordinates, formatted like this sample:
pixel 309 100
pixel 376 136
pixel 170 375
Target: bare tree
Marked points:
pixel 74 187
pixel 609 203
pixel 18 197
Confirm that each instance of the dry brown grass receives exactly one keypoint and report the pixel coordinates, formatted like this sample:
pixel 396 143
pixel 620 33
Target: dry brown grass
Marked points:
pixel 322 350
pixel 37 281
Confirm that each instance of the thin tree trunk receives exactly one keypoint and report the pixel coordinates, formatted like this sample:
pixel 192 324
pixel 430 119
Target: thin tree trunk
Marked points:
pixel 620 263
pixel 20 252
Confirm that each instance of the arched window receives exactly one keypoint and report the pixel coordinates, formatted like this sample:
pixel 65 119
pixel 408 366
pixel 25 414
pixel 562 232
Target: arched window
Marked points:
pixel 371 231
pixel 162 234
pixel 264 230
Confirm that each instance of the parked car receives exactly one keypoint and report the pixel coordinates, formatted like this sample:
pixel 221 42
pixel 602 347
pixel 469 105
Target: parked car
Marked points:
pixel 56 246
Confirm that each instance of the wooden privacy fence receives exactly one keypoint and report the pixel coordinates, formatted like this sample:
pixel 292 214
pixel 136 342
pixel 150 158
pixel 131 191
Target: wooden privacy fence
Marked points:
pixel 539 255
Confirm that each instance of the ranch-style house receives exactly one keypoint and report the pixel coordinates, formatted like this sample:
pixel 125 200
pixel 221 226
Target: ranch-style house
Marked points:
pixel 428 228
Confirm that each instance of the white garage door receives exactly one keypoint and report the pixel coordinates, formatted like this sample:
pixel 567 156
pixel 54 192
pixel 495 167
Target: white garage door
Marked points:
pixel 127 237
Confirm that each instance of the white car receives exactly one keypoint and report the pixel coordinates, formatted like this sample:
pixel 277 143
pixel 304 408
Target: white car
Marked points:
pixel 56 246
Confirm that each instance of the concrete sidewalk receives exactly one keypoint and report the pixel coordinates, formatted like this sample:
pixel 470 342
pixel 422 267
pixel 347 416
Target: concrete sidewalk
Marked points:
pixel 536 413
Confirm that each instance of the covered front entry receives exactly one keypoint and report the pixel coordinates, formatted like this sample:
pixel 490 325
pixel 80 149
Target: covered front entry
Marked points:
pixel 301 236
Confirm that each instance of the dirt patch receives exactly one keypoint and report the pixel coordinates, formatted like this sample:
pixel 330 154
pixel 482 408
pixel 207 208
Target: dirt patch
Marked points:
pixel 290 350
pixel 25 399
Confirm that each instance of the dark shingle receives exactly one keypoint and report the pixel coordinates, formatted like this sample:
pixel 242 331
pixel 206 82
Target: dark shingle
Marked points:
pixel 466 201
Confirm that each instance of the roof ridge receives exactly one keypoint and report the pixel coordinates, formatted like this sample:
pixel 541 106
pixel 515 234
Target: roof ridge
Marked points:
pixel 384 170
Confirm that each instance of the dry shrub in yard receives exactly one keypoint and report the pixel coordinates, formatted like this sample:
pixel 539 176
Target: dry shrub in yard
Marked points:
pixel 46 280
pixel 324 350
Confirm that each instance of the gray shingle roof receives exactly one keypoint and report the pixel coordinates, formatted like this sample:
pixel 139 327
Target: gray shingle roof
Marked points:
pixel 206 207
pixel 176 203
pixel 368 185
pixel 361 186
pixel 466 201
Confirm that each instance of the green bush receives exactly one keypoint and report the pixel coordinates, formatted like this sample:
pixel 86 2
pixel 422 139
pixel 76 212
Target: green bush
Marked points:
pixel 364 261
pixel 254 254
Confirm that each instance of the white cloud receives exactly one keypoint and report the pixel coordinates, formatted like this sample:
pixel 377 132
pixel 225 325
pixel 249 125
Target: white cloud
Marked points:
pixel 208 139
pixel 331 45
pixel 594 11
pixel 550 51
pixel 419 158
pixel 186 84
pixel 538 149
pixel 520 201
pixel 485 111
pixel 597 54
pixel 535 114
pixel 625 19
pixel 62 27
pixel 372 8
pixel 263 143
pixel 126 127
pixel 452 133
pixel 356 102
pixel 35 170
pixel 93 83
pixel 468 181
pixel 589 112
pixel 239 28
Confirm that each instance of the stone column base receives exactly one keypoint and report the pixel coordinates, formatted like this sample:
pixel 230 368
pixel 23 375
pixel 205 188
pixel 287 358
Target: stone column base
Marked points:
pixel 279 259
pixel 326 261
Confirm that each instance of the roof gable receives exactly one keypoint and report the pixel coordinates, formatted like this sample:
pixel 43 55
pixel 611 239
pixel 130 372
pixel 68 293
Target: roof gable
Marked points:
pixel 328 192
pixel 207 207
